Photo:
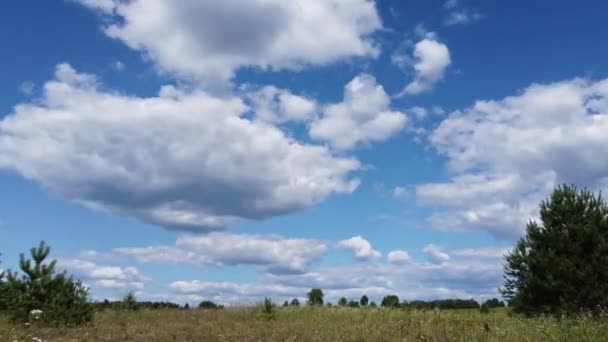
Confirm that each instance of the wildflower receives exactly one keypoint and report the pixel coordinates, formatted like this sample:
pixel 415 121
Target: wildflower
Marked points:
pixel 35 314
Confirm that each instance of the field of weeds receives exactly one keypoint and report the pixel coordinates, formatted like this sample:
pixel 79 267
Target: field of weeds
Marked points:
pixel 314 324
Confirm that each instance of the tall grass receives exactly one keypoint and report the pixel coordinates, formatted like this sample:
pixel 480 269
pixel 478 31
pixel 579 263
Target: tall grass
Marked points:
pixel 316 324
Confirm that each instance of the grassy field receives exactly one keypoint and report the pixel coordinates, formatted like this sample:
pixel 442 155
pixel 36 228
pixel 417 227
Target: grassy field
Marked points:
pixel 315 324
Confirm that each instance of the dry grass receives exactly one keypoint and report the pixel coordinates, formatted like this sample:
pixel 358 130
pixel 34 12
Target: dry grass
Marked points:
pixel 315 324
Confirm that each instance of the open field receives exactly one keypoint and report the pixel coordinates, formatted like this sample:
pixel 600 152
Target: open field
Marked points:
pixel 315 324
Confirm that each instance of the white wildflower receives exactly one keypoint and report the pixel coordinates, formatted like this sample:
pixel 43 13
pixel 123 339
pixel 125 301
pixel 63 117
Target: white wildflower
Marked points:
pixel 35 314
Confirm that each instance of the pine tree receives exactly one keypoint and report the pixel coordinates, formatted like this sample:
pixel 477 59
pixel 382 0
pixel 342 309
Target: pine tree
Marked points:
pixel 60 298
pixel 559 266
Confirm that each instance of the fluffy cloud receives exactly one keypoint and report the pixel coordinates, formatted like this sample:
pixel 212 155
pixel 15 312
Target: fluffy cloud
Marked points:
pixel 363 116
pixel 185 160
pixel 276 254
pixel 113 277
pixel 399 257
pixel 507 155
pixel 435 254
pixel 362 248
pixel 278 105
pixel 209 40
pixel 431 60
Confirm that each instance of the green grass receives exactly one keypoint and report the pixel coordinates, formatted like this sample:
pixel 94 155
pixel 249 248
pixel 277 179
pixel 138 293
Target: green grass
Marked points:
pixel 315 324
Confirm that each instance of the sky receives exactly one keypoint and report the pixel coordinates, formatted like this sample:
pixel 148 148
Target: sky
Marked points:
pixel 236 150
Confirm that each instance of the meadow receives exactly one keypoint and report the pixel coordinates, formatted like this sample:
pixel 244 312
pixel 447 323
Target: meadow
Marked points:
pixel 315 324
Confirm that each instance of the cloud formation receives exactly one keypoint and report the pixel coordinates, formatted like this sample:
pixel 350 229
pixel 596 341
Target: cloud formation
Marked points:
pixel 506 155
pixel 208 41
pixel 361 247
pixel 431 60
pixel 169 160
pixel 363 116
pixel 274 253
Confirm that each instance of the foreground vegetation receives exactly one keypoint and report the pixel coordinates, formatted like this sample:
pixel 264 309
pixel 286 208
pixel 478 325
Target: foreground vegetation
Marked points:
pixel 315 324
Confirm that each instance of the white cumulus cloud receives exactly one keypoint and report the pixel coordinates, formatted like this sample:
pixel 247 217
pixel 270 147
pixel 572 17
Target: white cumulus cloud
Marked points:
pixel 363 116
pixel 185 160
pixel 209 40
pixel 431 60
pixel 361 247
pixel 506 155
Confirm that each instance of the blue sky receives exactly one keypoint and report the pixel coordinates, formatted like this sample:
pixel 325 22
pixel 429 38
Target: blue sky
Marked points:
pixel 236 150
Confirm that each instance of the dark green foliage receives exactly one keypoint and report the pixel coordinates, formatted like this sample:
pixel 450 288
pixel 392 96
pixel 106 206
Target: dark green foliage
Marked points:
pixel 129 302
pixel 390 301
pixel 315 297
pixel 442 304
pixel 285 304
pixel 207 304
pixel 107 305
pixel 494 303
pixel 268 307
pixel 186 306
pixel 295 302
pixel 484 309
pixel 373 304
pixel 343 301
pixel 364 300
pixel 353 303
pixel 559 266
pixel 61 299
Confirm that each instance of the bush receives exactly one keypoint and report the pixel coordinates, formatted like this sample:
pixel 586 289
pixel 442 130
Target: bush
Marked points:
pixel 559 266
pixel 41 295
pixel 207 304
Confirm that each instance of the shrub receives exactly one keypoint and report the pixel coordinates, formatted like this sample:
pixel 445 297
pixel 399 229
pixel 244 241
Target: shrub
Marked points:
pixel 559 266
pixel 343 301
pixel 40 294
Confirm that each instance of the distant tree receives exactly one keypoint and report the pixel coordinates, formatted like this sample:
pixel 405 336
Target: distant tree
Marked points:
pixel 268 308
pixel 129 302
pixel 285 304
pixel 559 266
pixel 373 304
pixel 364 300
pixel 390 301
pixel 494 303
pixel 186 306
pixel 295 302
pixel 343 301
pixel 353 303
pixel 54 299
pixel 315 297
pixel 207 304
